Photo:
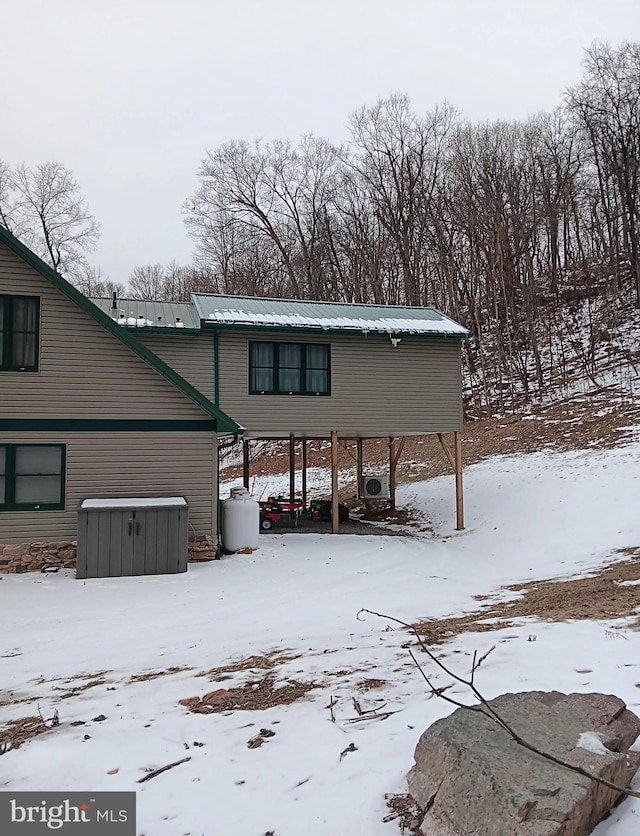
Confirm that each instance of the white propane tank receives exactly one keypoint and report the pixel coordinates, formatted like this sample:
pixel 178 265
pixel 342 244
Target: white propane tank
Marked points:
pixel 240 522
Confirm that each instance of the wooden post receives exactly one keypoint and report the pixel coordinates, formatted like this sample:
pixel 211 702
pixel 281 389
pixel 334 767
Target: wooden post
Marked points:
pixel 447 452
pixel 459 495
pixel 292 468
pixel 304 471
pixel 392 475
pixel 245 463
pixel 335 509
pixel 359 463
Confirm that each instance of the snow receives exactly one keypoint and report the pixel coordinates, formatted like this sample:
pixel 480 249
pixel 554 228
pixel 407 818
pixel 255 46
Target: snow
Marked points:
pixel 387 325
pixel 592 742
pixel 529 517
pixel 136 502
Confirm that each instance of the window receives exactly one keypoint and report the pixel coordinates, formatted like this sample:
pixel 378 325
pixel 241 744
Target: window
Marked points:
pixel 19 321
pixel 289 369
pixel 32 477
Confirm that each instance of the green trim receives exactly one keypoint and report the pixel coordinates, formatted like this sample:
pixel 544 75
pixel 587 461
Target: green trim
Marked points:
pixel 102 425
pixel 9 478
pixel 216 366
pixel 155 329
pixel 224 424
pixel 333 332
pixel 6 337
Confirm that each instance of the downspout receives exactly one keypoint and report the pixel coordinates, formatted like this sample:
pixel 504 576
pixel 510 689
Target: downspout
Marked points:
pixel 224 446
pixel 227 444
pixel 216 401
pixel 216 368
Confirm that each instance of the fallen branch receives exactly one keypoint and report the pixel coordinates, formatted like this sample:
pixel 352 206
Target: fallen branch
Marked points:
pixel 162 769
pixel 484 705
pixel 371 716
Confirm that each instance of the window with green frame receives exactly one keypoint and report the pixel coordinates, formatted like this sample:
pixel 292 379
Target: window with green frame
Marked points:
pixel 32 477
pixel 289 369
pixel 19 327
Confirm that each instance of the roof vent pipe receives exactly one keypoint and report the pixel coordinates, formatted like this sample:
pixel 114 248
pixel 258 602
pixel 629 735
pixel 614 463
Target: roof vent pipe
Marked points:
pixel 114 301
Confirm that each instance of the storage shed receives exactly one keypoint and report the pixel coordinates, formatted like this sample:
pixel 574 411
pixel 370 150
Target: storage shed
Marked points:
pixel 137 536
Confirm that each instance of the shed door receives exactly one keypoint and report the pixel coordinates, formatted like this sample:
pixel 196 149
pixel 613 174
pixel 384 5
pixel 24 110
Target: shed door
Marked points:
pixel 109 545
pixel 157 548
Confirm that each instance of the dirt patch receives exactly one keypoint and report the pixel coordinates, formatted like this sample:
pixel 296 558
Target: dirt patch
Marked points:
pixel 371 684
pixel 17 732
pixel 266 661
pixel 73 692
pixel 609 592
pixel 407 812
pixel 145 677
pixel 256 695
pixel 14 698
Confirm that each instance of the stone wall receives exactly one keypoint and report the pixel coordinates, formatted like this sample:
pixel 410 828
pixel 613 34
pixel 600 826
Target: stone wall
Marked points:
pixel 38 557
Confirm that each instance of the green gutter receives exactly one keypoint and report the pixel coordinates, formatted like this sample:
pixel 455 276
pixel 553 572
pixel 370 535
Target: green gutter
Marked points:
pixel 224 446
pixel 224 424
pixel 216 366
pixel 343 332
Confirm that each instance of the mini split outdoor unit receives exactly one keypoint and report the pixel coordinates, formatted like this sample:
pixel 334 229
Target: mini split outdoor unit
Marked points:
pixel 375 487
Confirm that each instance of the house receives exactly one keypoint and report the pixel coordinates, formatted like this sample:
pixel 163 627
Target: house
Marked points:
pixel 87 410
pixel 300 370
pixel 113 398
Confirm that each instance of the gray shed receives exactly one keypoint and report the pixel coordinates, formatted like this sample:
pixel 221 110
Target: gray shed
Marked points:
pixel 137 536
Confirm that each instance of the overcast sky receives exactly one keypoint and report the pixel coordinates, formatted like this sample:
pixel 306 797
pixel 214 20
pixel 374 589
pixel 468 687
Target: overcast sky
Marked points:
pixel 128 94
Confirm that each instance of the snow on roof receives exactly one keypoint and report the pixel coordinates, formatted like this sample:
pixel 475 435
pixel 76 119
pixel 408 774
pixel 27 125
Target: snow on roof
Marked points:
pixel 146 313
pixel 289 313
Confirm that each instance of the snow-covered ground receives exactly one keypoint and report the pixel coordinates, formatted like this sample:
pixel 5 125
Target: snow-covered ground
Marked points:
pixel 530 517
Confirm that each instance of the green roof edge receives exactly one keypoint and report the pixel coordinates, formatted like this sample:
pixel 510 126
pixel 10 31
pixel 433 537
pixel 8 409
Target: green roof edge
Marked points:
pixel 224 424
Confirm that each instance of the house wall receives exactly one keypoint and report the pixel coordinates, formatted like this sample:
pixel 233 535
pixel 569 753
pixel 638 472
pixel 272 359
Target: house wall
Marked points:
pixel 123 464
pixel 84 371
pixel 376 389
pixel 189 354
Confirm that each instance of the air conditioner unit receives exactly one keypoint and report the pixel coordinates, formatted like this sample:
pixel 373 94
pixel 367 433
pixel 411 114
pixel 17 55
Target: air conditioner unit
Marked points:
pixel 375 487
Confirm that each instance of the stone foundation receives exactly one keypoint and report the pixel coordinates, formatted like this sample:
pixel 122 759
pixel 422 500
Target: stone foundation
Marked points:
pixel 202 548
pixel 37 557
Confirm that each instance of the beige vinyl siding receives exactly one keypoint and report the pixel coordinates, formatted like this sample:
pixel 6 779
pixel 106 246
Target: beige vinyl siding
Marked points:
pixel 376 389
pixel 121 465
pixel 188 354
pixel 84 371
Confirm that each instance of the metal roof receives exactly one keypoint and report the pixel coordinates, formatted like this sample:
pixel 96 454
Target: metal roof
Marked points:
pixel 327 316
pixel 142 313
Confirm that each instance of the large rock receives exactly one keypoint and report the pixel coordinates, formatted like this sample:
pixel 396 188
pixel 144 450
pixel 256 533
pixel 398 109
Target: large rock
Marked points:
pixel 473 779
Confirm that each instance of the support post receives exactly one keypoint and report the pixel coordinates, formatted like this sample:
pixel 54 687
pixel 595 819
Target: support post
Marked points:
pixel 292 467
pixel 447 452
pixel 335 509
pixel 395 451
pixel 359 465
pixel 304 471
pixel 392 475
pixel 245 463
pixel 459 493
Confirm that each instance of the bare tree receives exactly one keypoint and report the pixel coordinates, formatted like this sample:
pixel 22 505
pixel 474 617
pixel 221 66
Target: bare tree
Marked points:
pixel 606 106
pixel 50 214
pixel 147 282
pixel 7 197
pixel 92 281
